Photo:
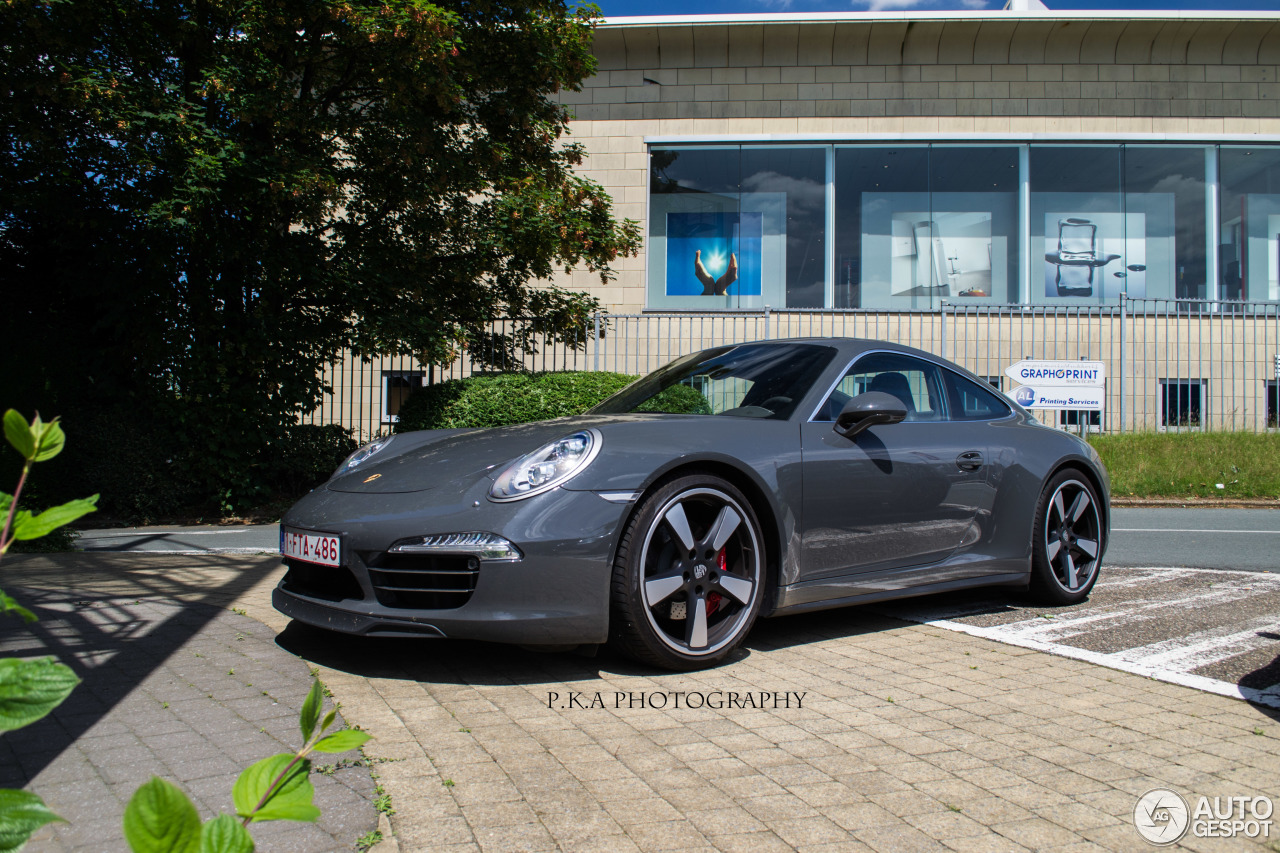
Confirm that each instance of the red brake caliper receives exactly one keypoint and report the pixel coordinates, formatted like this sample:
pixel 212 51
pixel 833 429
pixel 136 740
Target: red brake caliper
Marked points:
pixel 713 600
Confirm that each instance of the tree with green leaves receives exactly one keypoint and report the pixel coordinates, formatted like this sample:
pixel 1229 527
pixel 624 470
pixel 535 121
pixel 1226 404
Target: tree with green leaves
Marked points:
pixel 202 201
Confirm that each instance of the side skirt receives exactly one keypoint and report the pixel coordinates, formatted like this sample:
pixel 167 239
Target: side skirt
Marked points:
pixel 827 596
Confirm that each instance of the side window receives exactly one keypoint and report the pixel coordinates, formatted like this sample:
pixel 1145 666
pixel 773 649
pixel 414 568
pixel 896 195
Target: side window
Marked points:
pixel 971 401
pixel 918 384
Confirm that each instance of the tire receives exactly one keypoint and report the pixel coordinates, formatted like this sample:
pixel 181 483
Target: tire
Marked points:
pixel 689 575
pixel 1067 540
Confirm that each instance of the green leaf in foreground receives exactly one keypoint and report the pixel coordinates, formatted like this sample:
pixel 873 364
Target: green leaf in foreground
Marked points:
pixel 49 441
pixel 311 710
pixel 225 834
pixel 160 819
pixel 289 800
pixel 21 813
pixel 29 689
pixel 9 605
pixel 19 434
pixel 341 741
pixel 27 526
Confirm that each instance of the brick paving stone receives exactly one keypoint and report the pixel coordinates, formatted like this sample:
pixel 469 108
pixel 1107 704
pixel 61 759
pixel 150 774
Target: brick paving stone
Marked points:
pixel 114 732
pixel 1035 752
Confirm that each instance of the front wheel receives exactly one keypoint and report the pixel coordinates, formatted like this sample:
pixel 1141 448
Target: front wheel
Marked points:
pixel 1067 540
pixel 689 575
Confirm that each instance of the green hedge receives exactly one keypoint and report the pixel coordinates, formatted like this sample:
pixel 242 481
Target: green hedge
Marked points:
pixel 145 471
pixel 507 398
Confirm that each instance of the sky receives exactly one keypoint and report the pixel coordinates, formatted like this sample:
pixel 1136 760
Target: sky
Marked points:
pixel 628 8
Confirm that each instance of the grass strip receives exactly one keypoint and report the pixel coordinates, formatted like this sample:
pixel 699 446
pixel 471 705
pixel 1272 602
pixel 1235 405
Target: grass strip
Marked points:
pixel 1183 465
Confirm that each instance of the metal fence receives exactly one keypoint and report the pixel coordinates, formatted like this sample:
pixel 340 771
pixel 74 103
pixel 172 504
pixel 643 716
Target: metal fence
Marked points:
pixel 1170 364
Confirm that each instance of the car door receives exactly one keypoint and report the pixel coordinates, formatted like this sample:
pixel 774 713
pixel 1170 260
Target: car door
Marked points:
pixel 895 495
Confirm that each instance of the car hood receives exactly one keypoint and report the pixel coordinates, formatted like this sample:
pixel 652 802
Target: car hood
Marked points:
pixel 462 456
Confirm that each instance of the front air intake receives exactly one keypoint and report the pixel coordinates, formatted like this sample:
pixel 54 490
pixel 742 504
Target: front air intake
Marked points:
pixel 424 581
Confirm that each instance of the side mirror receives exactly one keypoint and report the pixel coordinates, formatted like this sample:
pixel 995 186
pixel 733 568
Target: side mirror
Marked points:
pixel 867 410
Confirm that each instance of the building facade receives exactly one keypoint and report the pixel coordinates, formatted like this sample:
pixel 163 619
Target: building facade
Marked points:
pixel 988 186
pixel 1081 185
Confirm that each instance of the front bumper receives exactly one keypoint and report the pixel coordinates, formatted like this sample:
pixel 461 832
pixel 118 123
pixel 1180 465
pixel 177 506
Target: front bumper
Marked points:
pixel 558 594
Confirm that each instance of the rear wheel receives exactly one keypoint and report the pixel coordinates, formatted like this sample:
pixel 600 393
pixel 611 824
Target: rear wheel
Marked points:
pixel 1067 540
pixel 689 575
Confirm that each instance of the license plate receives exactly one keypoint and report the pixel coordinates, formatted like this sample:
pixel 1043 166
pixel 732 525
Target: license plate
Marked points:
pixel 321 548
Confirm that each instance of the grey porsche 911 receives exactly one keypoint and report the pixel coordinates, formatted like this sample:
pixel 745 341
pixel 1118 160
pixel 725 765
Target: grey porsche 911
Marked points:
pixel 737 482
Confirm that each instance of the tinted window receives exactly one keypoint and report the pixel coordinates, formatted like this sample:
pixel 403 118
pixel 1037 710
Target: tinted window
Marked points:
pixel 750 381
pixel 971 402
pixel 917 383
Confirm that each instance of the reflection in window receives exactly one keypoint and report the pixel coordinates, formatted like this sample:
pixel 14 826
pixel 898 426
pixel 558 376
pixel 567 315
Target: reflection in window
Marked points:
pixel 1164 192
pixel 745 226
pixel 886 256
pixel 917 385
pixel 974 208
pixel 748 380
pixel 1249 263
pixel 1078 225
pixel 972 402
pixel 737 227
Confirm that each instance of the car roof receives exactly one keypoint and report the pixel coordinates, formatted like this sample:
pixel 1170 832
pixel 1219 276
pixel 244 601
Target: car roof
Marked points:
pixel 851 346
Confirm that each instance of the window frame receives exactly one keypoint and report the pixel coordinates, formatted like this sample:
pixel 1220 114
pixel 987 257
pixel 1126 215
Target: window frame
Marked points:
pixel 1024 289
pixel 1197 386
pixel 387 417
pixel 942 366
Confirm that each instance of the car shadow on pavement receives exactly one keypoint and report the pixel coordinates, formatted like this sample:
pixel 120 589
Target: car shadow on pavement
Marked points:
pixel 1264 678
pixel 468 662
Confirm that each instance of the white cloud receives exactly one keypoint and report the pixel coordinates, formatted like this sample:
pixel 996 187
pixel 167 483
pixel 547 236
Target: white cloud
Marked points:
pixel 904 5
pixel 890 5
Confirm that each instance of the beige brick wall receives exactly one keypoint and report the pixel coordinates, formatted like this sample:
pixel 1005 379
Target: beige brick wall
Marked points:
pixel 990 74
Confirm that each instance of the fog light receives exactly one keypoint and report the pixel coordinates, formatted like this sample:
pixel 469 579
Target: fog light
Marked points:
pixel 481 546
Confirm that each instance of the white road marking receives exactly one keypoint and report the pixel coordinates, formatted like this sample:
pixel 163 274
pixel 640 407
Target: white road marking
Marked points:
pixel 1184 530
pixel 1269 697
pixel 1204 647
pixel 1172 660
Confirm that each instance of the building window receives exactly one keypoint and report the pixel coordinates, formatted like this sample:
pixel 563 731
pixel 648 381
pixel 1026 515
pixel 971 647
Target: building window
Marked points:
pixel 1074 419
pixel 917 225
pixel 1167 244
pixel 1272 404
pixel 397 385
pixel 737 227
pixel 1182 403
pixel 742 226
pixel 1249 263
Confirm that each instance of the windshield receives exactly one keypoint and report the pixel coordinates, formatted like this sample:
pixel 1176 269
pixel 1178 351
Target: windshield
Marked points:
pixel 748 381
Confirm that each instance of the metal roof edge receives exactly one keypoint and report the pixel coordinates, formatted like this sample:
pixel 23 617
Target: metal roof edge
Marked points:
pixel 942 137
pixel 993 15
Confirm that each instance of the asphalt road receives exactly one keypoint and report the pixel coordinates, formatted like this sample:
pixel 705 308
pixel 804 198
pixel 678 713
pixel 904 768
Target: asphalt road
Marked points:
pixel 1189 596
pixel 1239 539
pixel 202 539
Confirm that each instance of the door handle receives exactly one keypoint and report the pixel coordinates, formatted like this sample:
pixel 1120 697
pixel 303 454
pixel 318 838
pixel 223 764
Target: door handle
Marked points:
pixel 970 460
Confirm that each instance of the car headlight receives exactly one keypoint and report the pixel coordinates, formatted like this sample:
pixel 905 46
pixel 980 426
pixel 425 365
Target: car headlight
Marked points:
pixel 547 467
pixel 352 461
